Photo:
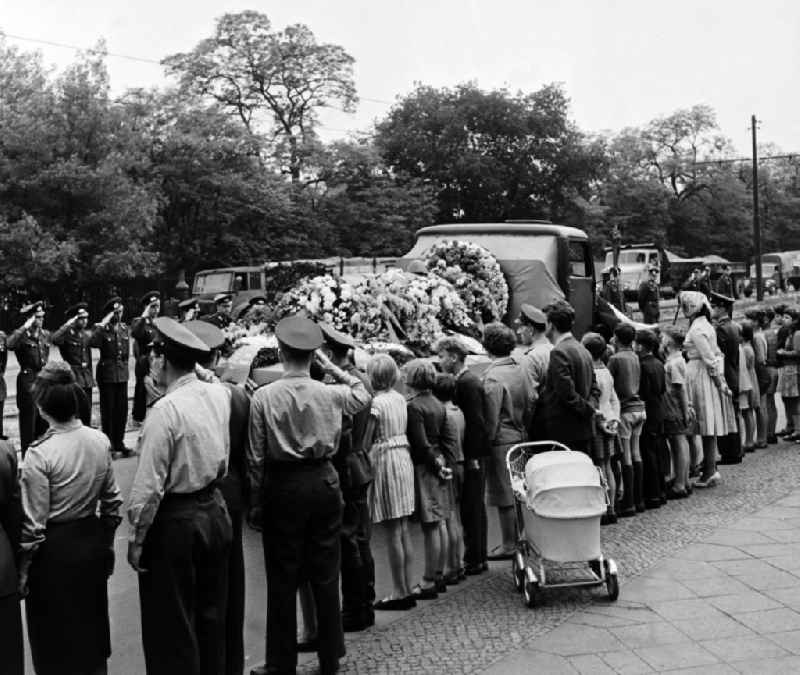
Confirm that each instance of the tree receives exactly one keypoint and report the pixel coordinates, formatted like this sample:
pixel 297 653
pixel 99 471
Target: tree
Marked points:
pixel 371 210
pixel 250 69
pixel 490 155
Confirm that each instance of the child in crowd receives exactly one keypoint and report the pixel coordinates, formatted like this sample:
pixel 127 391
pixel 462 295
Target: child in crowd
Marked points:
pixel 606 421
pixel 391 493
pixel 625 369
pixel 453 451
pixel 749 393
pixel 652 387
pixel 678 411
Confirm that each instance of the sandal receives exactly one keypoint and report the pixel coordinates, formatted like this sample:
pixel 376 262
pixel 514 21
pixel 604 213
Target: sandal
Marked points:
pixel 420 592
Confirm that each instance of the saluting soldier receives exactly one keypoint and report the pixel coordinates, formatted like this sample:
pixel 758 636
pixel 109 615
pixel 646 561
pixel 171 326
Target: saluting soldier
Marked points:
pixel 31 344
pixel 74 341
pixel 295 426
pixel 112 337
pixel 649 297
pixel 355 474
pixel 3 390
pixel 612 290
pixel 233 488
pixel 142 332
pixel 181 533
pixel 222 317
pixel 188 309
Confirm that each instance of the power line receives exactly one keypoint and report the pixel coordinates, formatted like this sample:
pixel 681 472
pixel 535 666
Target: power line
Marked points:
pixel 139 59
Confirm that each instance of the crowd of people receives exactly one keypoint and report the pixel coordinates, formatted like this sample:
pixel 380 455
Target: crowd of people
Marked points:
pixel 317 457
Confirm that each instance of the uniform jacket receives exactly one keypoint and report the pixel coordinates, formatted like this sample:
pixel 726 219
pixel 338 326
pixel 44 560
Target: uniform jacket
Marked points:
pixel 648 300
pixel 114 343
pixel 32 350
pixel 725 285
pixel 351 461
pixel 571 392
pixel 10 519
pixel 143 332
pixel 729 338
pixel 234 484
pixel 75 346
pixel 220 320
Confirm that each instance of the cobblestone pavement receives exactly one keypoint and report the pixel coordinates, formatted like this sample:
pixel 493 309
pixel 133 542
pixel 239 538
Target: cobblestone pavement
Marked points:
pixel 483 622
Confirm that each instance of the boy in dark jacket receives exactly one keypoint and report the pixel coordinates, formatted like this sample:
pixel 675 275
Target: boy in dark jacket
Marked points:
pixel 652 388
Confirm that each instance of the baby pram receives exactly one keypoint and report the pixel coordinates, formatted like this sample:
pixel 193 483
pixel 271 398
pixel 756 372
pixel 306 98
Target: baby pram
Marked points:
pixel 560 497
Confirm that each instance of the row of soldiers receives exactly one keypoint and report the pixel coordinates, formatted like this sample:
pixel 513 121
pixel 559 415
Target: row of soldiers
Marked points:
pixel 75 339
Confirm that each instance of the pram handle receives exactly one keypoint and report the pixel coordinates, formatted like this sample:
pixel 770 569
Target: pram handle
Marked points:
pixel 528 449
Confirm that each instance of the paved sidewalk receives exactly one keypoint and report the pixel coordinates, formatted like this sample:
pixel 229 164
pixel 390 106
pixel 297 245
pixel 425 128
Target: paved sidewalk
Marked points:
pixel 730 604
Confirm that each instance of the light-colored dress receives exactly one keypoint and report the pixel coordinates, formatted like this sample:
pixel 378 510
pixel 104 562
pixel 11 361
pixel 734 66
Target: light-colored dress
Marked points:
pixel 391 493
pixel 749 393
pixel 788 385
pixel 705 362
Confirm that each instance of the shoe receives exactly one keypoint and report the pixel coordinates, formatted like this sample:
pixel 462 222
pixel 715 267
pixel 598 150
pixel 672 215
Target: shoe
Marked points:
pixel 761 445
pixel 395 604
pixel 772 440
pixel 352 624
pixel 497 553
pixel 473 570
pixel 462 574
pixel 420 593
pixel 484 566
pixel 329 667
pixel 452 578
pixel 677 494
pixel 307 646
pixel 629 512
pixel 124 451
pixel 608 519
pixel 653 503
pixel 441 584
pixel 711 481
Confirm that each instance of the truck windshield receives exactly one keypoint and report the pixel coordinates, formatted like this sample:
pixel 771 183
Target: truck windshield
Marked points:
pixel 213 282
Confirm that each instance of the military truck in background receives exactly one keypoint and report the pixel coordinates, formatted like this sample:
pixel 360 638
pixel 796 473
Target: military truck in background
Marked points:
pixel 541 261
pixel 635 259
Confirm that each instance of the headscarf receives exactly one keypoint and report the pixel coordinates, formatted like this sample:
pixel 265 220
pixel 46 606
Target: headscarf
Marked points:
pixel 693 301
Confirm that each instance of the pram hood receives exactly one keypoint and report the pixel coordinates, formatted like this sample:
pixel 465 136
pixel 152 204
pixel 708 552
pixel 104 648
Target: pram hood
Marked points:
pixel 564 485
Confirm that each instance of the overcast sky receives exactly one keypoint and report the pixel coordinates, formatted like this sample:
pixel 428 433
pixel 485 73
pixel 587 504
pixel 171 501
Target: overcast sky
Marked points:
pixel 622 62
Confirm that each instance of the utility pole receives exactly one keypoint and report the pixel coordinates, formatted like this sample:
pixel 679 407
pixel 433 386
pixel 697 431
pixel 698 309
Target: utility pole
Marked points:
pixel 756 222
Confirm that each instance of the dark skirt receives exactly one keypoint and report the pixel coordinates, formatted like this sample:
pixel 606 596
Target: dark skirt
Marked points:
pixel 67 604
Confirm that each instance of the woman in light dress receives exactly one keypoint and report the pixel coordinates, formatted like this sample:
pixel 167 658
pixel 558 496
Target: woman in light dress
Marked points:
pixel 705 380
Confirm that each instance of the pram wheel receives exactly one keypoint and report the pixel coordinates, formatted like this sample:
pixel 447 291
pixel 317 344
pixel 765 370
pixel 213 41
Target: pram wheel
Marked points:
pixel 612 582
pixel 518 572
pixel 531 593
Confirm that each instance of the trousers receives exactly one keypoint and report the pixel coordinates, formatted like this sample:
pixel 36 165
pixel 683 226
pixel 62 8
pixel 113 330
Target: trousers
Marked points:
pixel 302 543
pixel 141 369
pixel 31 423
pixel 183 594
pixel 234 621
pixel 114 412
pixel 473 515
pixel 358 566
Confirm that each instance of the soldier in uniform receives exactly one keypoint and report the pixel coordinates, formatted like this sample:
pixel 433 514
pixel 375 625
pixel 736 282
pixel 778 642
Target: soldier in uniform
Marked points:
pixel 355 474
pixel 188 309
pixel 532 333
pixel 142 332
pixel 31 344
pixel 181 533
pixel 295 426
pixel 3 391
pixel 612 291
pixel 724 285
pixel 222 317
pixel 112 337
pixel 649 297
pixel 74 341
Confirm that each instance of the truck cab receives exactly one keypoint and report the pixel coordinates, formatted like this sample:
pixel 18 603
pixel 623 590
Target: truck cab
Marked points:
pixel 541 261
pixel 633 263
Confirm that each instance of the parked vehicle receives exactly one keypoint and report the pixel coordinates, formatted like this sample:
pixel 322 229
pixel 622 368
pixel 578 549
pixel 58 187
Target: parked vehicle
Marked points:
pixel 786 269
pixel 635 259
pixel 541 261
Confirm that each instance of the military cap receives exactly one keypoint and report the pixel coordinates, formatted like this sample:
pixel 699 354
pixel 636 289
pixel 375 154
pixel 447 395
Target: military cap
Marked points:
pixel 222 297
pixel 147 298
pixel 257 300
pixel 177 335
pixel 32 307
pixel 191 303
pixel 110 306
pixel 211 336
pixel 719 300
pixel 299 332
pixel 531 314
pixel 78 309
pixel 335 337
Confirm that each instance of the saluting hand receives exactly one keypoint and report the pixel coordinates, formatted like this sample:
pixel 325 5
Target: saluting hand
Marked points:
pixel 135 556
pixel 107 318
pixel 29 321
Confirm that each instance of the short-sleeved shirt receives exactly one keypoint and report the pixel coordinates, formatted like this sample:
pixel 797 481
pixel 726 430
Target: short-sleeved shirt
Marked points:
pixel 675 370
pixel 391 415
